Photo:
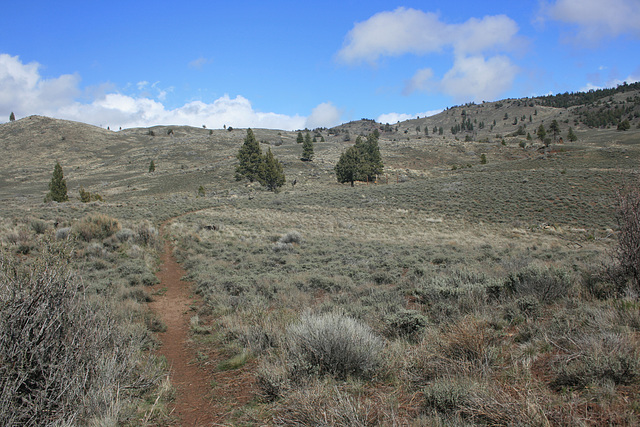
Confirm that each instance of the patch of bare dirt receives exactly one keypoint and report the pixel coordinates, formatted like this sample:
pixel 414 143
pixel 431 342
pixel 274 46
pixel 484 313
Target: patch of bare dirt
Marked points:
pixel 193 404
pixel 205 396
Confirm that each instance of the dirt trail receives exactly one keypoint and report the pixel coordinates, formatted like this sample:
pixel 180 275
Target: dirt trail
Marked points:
pixel 193 405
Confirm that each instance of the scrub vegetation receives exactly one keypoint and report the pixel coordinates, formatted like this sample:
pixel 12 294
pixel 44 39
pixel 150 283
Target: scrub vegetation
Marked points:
pixel 440 290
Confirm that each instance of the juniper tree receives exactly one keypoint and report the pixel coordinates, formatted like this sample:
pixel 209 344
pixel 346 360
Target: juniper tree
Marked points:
pixel 362 162
pixel 554 128
pixel 370 154
pixel 250 157
pixel 347 167
pixel 271 172
pixel 307 148
pixel 541 132
pixel 57 186
pixel 571 136
pixel 152 167
pixel 12 117
pixel 300 138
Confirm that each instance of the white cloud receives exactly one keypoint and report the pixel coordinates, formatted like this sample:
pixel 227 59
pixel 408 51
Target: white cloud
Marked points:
pixel 471 77
pixel 324 115
pixel 479 78
pixel 22 89
pixel 475 42
pixel 126 111
pixel 597 19
pixel 25 92
pixel 393 33
pixel 392 118
pixel 414 31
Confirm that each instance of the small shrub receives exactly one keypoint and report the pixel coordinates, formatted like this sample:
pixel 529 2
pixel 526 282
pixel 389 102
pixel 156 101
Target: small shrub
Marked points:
pixel 598 358
pixel 628 250
pixel 291 237
pixel 334 344
pixel 528 305
pixel 273 380
pixel 86 196
pixel 96 226
pixel 406 323
pixel 63 233
pixel 470 341
pixel 39 226
pixel 322 404
pixel 282 247
pixel 146 234
pixel 548 284
pixel 125 235
pixel 446 395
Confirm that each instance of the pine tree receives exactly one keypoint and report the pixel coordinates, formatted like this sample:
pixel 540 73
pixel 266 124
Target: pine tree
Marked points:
pixel 362 162
pixel 12 117
pixel 271 172
pixel 250 157
pixel 347 167
pixel 300 138
pixel 554 128
pixel 307 148
pixel 541 132
pixel 571 136
pixel 57 186
pixel 152 167
pixel 370 155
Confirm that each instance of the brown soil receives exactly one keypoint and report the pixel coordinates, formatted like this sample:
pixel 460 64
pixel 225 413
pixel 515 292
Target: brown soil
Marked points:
pixel 193 404
pixel 204 395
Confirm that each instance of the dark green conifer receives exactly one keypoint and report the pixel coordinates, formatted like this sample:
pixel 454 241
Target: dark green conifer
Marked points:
pixel 307 148
pixel 57 186
pixel 250 157
pixel 271 172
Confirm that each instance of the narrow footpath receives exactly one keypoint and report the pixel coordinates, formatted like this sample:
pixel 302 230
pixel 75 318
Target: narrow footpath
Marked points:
pixel 193 404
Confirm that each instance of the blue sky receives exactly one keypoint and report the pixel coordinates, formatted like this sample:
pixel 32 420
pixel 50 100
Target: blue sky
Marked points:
pixel 292 64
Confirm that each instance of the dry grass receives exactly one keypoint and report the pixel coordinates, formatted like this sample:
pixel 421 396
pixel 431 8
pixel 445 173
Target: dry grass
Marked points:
pixel 484 283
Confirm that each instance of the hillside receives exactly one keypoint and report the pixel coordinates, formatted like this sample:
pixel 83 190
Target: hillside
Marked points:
pixel 115 163
pixel 458 291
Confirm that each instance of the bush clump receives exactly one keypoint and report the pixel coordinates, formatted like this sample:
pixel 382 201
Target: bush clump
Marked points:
pixel 548 284
pixel 446 395
pixel 291 237
pixel 334 344
pixel 96 226
pixel 64 358
pixel 406 323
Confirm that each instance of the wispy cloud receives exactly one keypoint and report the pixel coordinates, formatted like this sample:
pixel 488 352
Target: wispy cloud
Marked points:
pixel 596 19
pixel 475 42
pixel 24 91
pixel 197 64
